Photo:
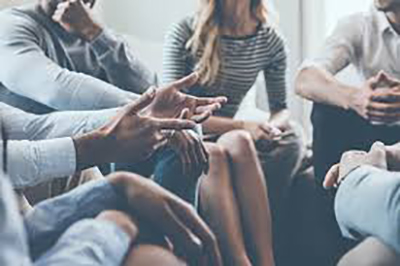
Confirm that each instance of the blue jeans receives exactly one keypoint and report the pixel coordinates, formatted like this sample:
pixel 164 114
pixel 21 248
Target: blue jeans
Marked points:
pixel 166 168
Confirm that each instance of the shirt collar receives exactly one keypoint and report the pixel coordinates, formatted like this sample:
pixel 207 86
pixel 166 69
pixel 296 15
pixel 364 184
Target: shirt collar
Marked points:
pixel 383 22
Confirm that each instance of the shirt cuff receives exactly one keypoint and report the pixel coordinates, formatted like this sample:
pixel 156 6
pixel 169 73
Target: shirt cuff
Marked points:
pixel 34 162
pixel 104 43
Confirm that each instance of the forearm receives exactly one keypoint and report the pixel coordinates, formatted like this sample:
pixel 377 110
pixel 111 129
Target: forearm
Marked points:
pixel 51 218
pixel 368 203
pixel 320 86
pixel 221 125
pixel 61 89
pixel 26 126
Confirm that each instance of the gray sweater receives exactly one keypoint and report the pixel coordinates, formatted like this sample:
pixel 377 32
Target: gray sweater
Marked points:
pixel 43 68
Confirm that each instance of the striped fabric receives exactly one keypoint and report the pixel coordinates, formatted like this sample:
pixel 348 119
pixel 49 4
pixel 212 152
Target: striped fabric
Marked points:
pixel 242 60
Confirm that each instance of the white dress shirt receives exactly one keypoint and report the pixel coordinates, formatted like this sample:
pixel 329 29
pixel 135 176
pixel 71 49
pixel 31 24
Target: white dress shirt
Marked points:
pixel 41 147
pixel 365 40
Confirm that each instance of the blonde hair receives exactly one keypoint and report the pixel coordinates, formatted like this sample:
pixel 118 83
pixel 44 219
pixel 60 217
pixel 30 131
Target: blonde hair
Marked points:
pixel 205 39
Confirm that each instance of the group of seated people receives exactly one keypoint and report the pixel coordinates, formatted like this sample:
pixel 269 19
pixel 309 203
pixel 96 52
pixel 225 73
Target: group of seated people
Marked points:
pixel 191 185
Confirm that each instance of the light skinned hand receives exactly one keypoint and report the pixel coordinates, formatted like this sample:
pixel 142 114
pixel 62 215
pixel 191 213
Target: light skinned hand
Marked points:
pixel 353 159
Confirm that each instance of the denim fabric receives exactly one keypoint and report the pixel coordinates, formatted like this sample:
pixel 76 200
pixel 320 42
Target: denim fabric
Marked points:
pixel 166 169
pixel 50 219
pixel 88 242
pixel 62 230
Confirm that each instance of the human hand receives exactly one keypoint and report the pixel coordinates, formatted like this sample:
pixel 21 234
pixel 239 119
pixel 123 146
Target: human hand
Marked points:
pixel 171 216
pixel 75 17
pixel 190 148
pixel 378 100
pixel 353 159
pixel 128 137
pixel 262 131
pixel 170 101
pixel 281 120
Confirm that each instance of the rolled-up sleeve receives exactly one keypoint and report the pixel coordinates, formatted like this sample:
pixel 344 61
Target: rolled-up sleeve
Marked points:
pixel 341 48
pixel 368 204
pixel 50 219
pixel 34 162
pixel 88 242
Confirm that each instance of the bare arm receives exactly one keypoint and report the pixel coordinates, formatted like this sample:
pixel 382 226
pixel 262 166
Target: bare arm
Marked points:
pixel 318 85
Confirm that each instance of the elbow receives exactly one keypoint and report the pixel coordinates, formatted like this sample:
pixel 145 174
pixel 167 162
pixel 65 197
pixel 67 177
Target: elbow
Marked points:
pixel 301 82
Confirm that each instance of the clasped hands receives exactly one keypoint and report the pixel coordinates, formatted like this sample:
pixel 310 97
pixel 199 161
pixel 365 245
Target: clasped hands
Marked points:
pixel 378 101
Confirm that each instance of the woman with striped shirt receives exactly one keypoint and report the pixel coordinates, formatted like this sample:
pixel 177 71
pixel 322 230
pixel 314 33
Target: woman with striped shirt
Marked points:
pixel 229 42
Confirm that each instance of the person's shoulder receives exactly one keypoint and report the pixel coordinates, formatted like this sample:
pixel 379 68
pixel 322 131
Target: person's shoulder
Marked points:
pixel 271 32
pixel 356 20
pixel 17 20
pixel 183 29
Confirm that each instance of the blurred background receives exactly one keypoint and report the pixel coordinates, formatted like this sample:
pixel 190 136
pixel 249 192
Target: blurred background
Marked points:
pixel 304 23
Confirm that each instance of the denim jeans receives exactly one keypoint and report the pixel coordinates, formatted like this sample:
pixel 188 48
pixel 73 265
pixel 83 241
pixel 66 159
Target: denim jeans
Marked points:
pixel 165 167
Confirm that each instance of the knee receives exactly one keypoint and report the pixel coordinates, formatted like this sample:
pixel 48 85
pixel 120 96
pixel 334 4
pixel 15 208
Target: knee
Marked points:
pixel 145 255
pixel 120 219
pixel 217 153
pixel 239 144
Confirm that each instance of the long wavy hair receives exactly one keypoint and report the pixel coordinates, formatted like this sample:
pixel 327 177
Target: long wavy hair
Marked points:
pixel 205 39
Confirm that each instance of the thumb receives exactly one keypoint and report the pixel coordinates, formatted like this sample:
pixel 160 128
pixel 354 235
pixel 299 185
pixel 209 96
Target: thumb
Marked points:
pixel 377 155
pixel 332 177
pixel 185 115
pixel 145 100
pixel 187 81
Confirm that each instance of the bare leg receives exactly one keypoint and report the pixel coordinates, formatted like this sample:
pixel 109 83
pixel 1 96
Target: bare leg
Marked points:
pixel 150 255
pixel 251 193
pixel 219 208
pixel 371 252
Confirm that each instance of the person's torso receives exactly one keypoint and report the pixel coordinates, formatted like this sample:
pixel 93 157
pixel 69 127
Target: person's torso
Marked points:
pixel 379 47
pixel 65 50
pixel 242 59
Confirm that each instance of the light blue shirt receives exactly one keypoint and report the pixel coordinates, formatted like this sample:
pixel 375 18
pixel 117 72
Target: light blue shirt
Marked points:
pixel 41 147
pixel 367 204
pixel 62 231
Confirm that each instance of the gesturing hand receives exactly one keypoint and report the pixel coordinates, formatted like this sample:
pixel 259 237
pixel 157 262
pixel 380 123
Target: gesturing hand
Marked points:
pixel 190 148
pixel 75 17
pixel 170 101
pixel 353 159
pixel 128 137
pixel 171 216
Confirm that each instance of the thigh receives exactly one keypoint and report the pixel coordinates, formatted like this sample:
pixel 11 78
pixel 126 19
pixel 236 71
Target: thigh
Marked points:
pixel 371 252
pixel 336 131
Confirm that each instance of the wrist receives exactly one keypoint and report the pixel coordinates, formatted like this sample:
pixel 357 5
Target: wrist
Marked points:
pixel 91 149
pixel 352 95
pixel 91 32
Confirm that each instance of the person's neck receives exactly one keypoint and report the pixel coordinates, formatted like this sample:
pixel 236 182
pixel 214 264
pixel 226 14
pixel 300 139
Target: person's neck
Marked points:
pixel 237 18
pixel 394 18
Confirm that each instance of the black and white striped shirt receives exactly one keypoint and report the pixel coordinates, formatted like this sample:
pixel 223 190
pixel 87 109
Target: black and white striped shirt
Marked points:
pixel 242 59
